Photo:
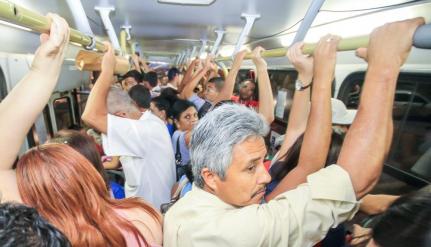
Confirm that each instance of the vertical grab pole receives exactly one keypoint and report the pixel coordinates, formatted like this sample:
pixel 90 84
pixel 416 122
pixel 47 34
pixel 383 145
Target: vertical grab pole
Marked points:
pixel 104 15
pixel 220 34
pixel 245 31
pixel 309 17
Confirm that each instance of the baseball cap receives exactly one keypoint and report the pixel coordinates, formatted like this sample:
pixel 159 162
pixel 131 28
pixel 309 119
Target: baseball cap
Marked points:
pixel 340 114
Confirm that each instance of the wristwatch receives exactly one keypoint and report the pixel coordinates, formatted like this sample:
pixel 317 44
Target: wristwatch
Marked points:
pixel 299 85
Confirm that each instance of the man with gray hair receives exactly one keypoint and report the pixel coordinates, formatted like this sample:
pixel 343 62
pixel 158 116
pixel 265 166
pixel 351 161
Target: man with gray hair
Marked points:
pixel 140 138
pixel 227 153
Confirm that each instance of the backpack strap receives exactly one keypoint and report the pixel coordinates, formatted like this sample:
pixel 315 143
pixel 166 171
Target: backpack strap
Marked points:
pixel 178 158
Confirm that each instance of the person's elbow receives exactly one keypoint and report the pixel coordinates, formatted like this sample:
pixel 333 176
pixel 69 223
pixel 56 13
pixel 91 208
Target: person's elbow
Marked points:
pixel 270 118
pixel 99 122
pixel 363 184
pixel 88 118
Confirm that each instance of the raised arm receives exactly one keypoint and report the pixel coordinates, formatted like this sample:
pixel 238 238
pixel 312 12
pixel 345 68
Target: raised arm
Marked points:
pixel 140 64
pixel 25 102
pixel 188 75
pixel 187 91
pixel 229 84
pixel 143 65
pixel 366 143
pixel 300 109
pixel 96 110
pixel 317 137
pixel 135 60
pixel 266 104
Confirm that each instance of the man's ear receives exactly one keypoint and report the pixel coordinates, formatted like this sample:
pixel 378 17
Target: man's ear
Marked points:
pixel 210 179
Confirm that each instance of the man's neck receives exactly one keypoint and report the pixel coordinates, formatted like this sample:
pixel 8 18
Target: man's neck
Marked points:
pixel 172 83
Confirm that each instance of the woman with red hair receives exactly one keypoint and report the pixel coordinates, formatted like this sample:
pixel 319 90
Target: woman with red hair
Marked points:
pixel 68 191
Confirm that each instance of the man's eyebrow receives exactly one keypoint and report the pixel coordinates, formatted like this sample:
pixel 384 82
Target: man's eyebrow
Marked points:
pixel 253 160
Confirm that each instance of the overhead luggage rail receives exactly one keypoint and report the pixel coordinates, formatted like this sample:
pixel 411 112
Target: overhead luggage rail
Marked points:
pixel 421 39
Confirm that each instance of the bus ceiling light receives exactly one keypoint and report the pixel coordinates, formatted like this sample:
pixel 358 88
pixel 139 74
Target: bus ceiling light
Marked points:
pixel 226 50
pixel 187 2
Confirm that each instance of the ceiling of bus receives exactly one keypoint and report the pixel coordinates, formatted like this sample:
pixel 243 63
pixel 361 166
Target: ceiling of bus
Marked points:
pixel 170 29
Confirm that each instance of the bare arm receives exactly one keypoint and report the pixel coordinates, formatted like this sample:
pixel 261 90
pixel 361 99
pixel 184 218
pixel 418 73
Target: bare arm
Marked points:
pixel 300 109
pixel 136 66
pixel 266 104
pixel 376 204
pixel 211 74
pixel 366 143
pixel 96 111
pixel 187 91
pixel 188 75
pixel 143 65
pixel 317 137
pixel 227 90
pixel 25 102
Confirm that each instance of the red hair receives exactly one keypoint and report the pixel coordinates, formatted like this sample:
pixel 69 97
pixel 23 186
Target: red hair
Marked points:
pixel 69 192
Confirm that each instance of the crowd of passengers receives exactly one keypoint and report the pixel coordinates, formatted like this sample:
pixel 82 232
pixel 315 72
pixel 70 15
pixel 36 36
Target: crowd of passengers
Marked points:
pixel 195 152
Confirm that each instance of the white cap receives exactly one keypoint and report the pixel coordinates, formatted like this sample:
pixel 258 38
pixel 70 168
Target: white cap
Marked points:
pixel 340 114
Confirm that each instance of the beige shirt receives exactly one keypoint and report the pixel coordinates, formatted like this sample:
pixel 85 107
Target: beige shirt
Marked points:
pixel 299 217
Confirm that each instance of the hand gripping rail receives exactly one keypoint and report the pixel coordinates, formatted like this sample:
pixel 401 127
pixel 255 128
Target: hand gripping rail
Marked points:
pixel 421 39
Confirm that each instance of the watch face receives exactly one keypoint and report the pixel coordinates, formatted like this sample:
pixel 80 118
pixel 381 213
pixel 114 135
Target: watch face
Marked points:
pixel 298 85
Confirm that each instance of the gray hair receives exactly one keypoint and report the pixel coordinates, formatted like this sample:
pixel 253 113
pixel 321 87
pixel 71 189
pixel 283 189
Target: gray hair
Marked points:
pixel 218 82
pixel 119 100
pixel 216 134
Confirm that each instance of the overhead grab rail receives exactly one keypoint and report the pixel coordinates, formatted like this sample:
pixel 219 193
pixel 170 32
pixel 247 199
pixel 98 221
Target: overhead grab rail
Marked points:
pixel 85 60
pixel 16 14
pixel 123 41
pixel 421 39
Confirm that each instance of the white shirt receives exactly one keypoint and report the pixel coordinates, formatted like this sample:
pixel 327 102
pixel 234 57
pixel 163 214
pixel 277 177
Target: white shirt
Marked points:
pixel 169 85
pixel 155 91
pixel 146 155
pixel 299 217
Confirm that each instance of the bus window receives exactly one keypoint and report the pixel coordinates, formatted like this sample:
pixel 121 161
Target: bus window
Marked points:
pixel 411 144
pixel 283 88
pixel 413 140
pixel 63 113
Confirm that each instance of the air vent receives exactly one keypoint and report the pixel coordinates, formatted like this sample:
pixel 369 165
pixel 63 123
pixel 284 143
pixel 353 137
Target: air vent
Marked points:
pixel 187 2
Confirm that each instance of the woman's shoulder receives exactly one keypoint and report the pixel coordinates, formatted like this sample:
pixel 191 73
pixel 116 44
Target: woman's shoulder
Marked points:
pixel 8 187
pixel 149 226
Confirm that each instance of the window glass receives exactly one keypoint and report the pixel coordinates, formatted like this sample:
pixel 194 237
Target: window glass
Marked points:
pixel 63 113
pixel 283 88
pixel 411 144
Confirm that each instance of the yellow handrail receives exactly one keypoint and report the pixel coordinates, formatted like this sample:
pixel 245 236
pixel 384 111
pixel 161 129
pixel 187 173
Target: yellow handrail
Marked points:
pixel 21 16
pixel 344 45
